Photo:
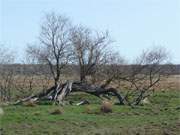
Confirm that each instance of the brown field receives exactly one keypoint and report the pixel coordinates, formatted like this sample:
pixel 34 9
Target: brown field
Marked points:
pixel 170 83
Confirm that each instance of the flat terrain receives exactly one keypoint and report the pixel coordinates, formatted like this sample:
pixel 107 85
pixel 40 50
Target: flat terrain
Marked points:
pixel 161 116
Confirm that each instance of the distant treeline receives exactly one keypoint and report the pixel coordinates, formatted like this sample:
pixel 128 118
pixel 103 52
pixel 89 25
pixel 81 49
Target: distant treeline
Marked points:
pixel 40 69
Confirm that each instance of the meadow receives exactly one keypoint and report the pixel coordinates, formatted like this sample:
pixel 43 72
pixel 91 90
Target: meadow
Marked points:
pixel 160 117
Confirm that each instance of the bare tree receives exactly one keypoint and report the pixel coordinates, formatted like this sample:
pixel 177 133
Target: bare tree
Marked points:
pixel 144 75
pixel 6 73
pixel 89 48
pixel 54 44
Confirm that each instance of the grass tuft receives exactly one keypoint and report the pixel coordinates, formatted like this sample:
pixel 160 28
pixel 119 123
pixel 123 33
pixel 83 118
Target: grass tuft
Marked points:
pixel 106 107
pixel 57 111
pixel 1 111
pixel 29 104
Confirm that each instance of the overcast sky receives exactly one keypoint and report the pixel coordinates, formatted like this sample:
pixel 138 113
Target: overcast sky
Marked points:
pixel 133 24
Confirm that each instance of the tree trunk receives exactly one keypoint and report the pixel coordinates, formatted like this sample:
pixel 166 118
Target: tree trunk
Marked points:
pixel 59 92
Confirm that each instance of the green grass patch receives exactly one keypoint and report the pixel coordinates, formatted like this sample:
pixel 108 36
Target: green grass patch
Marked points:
pixel 160 117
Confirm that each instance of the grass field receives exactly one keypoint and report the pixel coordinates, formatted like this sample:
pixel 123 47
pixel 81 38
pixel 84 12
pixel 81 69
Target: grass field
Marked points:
pixel 161 116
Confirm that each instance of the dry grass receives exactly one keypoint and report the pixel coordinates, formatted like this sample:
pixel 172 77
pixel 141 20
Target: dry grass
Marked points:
pixel 88 110
pixel 166 83
pixel 170 83
pixel 20 87
pixel 29 104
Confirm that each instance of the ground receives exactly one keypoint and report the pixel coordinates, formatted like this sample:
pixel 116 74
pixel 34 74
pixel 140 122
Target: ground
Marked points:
pixel 160 117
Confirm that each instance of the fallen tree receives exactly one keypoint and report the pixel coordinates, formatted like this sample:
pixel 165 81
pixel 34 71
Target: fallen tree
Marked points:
pixel 58 93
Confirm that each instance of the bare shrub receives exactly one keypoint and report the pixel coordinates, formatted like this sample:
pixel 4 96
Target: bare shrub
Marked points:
pixel 145 74
pixel 6 73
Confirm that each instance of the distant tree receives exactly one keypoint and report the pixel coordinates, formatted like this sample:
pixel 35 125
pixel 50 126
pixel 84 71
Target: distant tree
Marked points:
pixel 6 73
pixel 6 55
